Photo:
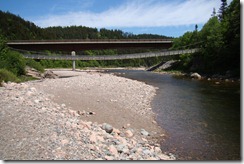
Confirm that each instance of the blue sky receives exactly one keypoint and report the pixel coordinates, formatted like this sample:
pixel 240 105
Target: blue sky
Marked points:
pixel 164 17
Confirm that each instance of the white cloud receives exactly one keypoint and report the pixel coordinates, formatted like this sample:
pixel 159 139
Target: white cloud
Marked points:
pixel 137 13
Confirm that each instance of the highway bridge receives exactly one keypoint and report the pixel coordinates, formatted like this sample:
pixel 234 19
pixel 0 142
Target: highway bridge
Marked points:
pixel 93 44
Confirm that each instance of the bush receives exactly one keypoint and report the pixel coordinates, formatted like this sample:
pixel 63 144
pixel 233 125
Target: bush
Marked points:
pixel 6 76
pixel 186 60
pixel 33 64
pixel 13 62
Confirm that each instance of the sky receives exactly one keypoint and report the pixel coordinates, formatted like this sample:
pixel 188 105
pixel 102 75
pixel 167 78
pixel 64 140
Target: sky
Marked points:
pixel 163 17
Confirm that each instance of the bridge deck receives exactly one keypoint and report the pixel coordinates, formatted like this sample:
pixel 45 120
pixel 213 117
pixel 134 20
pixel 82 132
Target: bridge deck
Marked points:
pixel 77 45
pixel 113 57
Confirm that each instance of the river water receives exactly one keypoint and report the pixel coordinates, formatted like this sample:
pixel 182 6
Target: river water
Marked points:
pixel 201 119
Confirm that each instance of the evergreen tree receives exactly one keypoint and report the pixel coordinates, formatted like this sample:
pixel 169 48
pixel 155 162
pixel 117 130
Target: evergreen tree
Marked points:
pixel 214 12
pixel 222 10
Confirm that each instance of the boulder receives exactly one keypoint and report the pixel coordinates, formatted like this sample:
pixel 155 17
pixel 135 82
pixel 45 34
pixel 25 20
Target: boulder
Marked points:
pixel 108 128
pixel 196 76
pixel 49 74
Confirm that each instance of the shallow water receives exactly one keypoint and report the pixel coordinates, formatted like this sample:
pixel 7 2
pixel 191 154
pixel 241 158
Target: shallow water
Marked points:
pixel 202 119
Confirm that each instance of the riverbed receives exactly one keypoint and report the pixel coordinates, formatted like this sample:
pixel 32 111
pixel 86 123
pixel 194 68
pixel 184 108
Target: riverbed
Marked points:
pixel 201 118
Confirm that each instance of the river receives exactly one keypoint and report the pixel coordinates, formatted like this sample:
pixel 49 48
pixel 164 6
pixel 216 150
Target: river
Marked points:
pixel 201 118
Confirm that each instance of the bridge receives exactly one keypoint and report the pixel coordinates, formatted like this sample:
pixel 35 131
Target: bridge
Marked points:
pixel 81 45
pixel 112 57
pixel 89 44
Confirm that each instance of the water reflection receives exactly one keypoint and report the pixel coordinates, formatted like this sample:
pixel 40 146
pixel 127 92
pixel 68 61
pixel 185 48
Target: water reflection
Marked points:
pixel 202 119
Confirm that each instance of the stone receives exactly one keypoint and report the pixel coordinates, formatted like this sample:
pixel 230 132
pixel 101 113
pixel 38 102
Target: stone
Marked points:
pixel 147 152
pixel 93 138
pixel 196 76
pixel 49 74
pixel 120 148
pixel 144 132
pixel 32 89
pixel 164 157
pixel 90 113
pixel 109 157
pixel 157 150
pixel 121 140
pixel 117 131
pixel 108 128
pixel 126 126
pixel 128 133
pixel 113 150
pixel 83 113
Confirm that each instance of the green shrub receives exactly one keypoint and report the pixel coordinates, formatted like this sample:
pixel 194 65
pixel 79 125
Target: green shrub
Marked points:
pixel 6 76
pixel 33 64
pixel 186 60
pixel 13 62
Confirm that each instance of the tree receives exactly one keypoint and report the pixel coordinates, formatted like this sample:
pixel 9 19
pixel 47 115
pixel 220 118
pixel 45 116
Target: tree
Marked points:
pixel 231 33
pixel 222 10
pixel 214 12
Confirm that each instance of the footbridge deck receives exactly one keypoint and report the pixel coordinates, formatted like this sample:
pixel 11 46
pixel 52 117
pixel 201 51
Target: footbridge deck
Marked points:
pixel 112 57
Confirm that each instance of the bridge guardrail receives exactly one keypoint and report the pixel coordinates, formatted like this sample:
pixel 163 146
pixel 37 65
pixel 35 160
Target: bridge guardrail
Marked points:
pixel 87 40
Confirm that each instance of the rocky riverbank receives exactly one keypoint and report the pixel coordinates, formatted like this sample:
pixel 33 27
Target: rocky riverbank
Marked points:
pixel 36 126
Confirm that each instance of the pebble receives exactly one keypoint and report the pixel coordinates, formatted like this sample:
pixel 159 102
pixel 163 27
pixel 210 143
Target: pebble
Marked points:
pixel 128 133
pixel 144 132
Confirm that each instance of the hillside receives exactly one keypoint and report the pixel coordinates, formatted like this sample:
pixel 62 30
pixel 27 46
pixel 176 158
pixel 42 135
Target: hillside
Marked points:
pixel 16 28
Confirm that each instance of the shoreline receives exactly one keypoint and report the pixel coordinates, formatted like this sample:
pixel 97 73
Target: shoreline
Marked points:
pixel 41 121
pixel 217 79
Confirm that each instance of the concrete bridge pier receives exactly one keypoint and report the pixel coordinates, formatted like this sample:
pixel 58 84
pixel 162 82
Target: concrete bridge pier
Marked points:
pixel 73 54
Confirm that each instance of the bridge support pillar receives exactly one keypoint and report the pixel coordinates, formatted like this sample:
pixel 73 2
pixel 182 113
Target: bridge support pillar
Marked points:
pixel 73 54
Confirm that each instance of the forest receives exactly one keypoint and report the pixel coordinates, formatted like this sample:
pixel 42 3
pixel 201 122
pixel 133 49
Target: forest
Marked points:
pixel 218 40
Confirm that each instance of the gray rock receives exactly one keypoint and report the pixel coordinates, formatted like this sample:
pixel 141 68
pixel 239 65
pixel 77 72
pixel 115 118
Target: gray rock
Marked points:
pixel 49 74
pixel 108 128
pixel 144 132
pixel 120 148
pixel 123 149
pixel 196 76
pixel 147 152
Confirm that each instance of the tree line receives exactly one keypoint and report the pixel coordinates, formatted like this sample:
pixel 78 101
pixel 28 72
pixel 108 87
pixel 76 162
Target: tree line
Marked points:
pixel 16 28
